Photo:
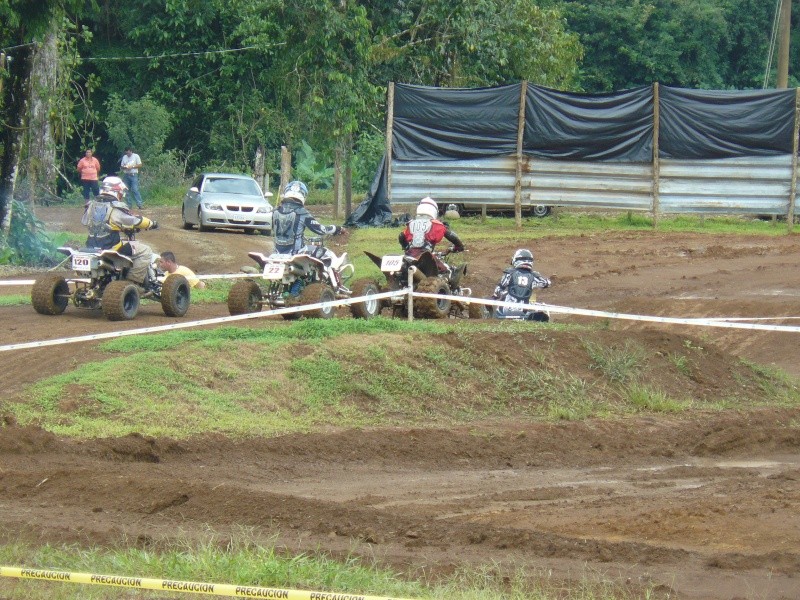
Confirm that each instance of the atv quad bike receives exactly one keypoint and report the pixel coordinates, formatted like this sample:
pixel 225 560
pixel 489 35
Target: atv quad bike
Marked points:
pixel 101 282
pixel 428 279
pixel 314 275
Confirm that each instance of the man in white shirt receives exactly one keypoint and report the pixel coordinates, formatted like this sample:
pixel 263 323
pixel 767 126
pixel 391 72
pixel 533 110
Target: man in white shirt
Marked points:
pixel 131 163
pixel 169 265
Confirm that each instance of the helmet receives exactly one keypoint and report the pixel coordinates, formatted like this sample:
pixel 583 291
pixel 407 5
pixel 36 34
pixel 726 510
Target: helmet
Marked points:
pixel 114 186
pixel 522 258
pixel 296 190
pixel 427 207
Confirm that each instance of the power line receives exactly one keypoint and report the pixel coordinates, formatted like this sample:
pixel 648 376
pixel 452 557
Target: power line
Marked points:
pixel 157 56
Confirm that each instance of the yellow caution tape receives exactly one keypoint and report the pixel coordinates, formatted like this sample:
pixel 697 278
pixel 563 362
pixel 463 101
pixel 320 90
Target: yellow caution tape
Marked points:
pixel 172 585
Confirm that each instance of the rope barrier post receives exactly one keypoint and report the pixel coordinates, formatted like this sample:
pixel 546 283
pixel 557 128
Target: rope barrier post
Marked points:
pixel 410 303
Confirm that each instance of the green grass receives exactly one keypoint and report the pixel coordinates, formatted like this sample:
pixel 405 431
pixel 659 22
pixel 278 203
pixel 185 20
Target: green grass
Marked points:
pixel 618 364
pixel 15 299
pixel 241 561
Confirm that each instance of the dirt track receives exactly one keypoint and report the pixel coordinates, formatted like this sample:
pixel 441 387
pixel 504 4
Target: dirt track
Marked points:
pixel 700 509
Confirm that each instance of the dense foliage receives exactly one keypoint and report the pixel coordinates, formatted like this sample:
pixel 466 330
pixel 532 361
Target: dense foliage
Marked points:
pixel 198 83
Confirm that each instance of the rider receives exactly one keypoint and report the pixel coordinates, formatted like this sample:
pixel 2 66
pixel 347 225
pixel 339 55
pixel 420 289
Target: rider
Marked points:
pixel 106 215
pixel 289 222
pixel 425 230
pixel 517 285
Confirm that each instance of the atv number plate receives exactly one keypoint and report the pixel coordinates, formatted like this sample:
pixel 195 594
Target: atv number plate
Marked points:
pixel 81 263
pixel 391 264
pixel 274 270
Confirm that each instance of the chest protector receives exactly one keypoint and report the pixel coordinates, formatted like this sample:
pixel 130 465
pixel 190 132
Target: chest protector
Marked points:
pixel 101 233
pixel 419 229
pixel 521 286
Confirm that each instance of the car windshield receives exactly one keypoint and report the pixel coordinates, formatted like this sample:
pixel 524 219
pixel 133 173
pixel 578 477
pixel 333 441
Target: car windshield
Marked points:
pixel 231 186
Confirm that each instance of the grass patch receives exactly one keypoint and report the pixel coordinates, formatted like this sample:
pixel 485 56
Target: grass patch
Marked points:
pixel 646 398
pixel 15 299
pixel 618 364
pixel 241 561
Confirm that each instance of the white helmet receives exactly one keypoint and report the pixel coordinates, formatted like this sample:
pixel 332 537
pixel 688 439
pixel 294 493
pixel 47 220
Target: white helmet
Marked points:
pixel 296 190
pixel 114 186
pixel 427 207
pixel 522 259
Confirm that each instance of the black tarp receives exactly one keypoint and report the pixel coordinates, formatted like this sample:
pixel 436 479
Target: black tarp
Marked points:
pixel 452 123
pixel 725 124
pixel 603 127
pixel 375 210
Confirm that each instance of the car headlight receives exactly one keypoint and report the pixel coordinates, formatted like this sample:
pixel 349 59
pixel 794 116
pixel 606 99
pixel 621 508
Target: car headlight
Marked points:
pixel 264 209
pixel 210 206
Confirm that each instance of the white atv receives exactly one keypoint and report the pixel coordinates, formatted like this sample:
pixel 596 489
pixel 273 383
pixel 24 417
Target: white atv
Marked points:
pixel 101 283
pixel 313 275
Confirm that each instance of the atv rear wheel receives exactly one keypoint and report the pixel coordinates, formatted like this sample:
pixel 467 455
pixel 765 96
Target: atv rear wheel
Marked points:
pixel 50 295
pixel 120 300
pixel 432 308
pixel 175 296
pixel 368 308
pixel 245 297
pixel 318 292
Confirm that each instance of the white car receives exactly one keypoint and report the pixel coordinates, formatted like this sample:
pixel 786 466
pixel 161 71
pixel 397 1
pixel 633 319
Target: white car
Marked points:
pixel 227 200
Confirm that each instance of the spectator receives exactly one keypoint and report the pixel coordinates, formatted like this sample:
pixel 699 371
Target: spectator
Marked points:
pixel 131 163
pixel 89 172
pixel 169 265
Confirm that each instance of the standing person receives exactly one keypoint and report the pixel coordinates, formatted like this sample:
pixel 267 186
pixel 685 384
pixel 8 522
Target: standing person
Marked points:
pixel 425 230
pixel 89 172
pixel 131 163
pixel 169 265
pixel 291 218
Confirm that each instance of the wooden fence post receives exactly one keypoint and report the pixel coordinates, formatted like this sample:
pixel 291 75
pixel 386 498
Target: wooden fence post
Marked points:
pixel 286 170
pixel 523 93
pixel 656 162
pixel 389 130
pixel 793 186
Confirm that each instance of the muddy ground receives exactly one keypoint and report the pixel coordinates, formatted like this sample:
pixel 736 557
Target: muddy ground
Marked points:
pixel 707 508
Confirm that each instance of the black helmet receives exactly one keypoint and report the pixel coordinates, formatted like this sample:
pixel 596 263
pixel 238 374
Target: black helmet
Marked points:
pixel 522 258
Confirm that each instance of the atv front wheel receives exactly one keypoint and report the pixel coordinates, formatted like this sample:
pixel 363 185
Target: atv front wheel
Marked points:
pixel 368 308
pixel 318 292
pixel 120 300
pixel 432 308
pixel 50 295
pixel 244 297
pixel 479 311
pixel 175 296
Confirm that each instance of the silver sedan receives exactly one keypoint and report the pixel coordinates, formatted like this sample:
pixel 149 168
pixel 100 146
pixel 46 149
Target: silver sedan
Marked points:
pixel 226 200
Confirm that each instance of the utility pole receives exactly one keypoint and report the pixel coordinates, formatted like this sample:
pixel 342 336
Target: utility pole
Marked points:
pixel 783 43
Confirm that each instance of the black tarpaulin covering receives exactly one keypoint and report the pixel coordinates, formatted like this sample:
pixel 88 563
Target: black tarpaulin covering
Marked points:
pixel 605 127
pixel 375 210
pixel 725 124
pixel 443 123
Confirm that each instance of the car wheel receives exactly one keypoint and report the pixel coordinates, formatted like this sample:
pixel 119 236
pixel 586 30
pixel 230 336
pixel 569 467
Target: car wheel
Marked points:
pixel 200 225
pixel 186 224
pixel 540 210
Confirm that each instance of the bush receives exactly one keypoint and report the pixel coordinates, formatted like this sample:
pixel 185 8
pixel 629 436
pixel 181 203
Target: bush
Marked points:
pixel 27 243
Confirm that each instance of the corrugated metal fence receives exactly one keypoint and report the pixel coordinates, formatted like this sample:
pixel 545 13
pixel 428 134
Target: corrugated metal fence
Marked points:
pixel 753 185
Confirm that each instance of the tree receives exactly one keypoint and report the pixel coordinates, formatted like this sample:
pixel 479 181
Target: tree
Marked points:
pixel 25 24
